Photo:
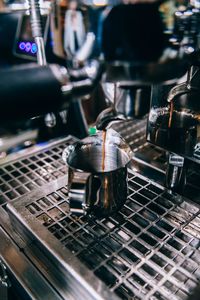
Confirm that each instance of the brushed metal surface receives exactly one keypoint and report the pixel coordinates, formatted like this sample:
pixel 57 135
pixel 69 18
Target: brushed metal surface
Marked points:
pixel 149 249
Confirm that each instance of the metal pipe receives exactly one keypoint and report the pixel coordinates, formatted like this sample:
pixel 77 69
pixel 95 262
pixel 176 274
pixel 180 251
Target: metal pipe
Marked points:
pixel 41 56
pixel 36 26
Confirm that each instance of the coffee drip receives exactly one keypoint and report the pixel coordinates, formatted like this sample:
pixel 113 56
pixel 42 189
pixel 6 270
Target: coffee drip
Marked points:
pixel 103 150
pixel 171 108
pixel 105 182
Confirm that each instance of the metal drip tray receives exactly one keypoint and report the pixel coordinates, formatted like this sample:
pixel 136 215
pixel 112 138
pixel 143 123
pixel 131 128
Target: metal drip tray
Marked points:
pixel 148 250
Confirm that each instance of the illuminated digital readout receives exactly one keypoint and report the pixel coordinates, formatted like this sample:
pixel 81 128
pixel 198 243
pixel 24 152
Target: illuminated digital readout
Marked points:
pixel 28 47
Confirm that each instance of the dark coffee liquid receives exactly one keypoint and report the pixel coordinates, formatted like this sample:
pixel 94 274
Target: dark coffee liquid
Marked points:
pixel 103 150
pixel 105 183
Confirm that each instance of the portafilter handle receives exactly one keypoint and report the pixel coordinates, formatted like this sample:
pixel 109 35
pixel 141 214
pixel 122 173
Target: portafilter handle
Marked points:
pixel 30 90
pixel 78 192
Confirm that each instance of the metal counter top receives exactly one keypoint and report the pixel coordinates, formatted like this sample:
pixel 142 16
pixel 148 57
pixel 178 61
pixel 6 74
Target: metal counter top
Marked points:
pixel 149 250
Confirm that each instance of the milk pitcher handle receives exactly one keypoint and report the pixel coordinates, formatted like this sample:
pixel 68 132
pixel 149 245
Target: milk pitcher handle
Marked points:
pixel 79 192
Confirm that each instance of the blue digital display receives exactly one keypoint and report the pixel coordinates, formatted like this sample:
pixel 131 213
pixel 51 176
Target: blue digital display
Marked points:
pixel 27 47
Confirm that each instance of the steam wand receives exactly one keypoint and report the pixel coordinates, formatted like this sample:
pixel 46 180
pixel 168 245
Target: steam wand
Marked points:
pixel 36 26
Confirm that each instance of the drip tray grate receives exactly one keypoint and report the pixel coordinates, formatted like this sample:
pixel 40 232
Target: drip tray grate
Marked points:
pixel 148 250
pixel 19 177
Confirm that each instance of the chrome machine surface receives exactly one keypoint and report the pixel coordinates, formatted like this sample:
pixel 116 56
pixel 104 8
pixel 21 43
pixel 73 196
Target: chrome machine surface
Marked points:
pixel 149 249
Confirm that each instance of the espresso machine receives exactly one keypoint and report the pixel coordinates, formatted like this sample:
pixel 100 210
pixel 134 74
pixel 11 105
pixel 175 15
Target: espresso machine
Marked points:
pixel 144 80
